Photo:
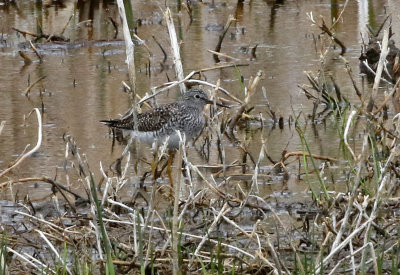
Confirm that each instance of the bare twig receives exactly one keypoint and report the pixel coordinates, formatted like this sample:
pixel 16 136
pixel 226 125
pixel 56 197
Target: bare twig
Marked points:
pixel 35 50
pixel 175 50
pixel 301 153
pixel 388 97
pixel 130 47
pixel 66 25
pixel 349 71
pixel 2 126
pixel 365 63
pixel 29 262
pixel 115 25
pixel 177 194
pixel 229 22
pixel 27 59
pixel 340 15
pixel 346 131
pixel 24 33
pixel 47 180
pixel 39 142
pixel 383 179
pixel 325 28
pixel 222 55
pixel 54 226
pixel 27 90
pixel 162 49
pixel 340 262
pixel 54 250
pixel 251 90
pixel 221 213
pixel 170 85
pixel 382 60
pixel 188 8
pixel 328 31
pixel 144 44
pixel 188 235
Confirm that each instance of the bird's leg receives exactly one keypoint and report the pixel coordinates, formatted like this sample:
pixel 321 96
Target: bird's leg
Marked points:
pixel 183 165
pixel 154 166
pixel 158 172
pixel 169 166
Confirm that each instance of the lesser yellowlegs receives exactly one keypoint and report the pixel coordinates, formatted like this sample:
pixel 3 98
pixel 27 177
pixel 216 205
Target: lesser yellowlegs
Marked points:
pixel 163 122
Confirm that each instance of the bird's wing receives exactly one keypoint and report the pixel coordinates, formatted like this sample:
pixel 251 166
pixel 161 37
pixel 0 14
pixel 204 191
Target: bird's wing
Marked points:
pixel 152 120
pixel 158 117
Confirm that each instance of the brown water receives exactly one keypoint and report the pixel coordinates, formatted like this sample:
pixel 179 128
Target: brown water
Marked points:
pixel 286 48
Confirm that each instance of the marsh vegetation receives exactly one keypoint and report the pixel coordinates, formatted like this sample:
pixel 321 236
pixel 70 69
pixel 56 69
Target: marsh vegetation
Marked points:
pixel 299 176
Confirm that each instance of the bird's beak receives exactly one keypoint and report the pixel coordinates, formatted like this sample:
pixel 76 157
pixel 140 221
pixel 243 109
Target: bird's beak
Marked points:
pixel 218 104
pixel 222 105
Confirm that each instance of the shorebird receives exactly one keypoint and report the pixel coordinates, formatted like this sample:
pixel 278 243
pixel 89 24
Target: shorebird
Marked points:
pixel 163 122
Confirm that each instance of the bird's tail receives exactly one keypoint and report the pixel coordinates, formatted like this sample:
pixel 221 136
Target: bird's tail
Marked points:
pixel 119 123
pixel 110 123
pixel 125 122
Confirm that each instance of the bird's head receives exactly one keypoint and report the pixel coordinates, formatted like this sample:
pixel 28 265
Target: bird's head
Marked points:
pixel 198 97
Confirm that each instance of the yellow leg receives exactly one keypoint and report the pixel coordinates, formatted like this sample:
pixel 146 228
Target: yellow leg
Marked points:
pixel 169 167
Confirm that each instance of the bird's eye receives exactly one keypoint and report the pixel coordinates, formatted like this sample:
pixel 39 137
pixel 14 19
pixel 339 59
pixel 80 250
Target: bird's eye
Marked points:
pixel 196 96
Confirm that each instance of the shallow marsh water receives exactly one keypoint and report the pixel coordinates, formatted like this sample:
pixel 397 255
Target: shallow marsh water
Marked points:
pixel 83 80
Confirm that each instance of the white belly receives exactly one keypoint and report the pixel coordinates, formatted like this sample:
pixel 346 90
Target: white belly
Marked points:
pixel 150 137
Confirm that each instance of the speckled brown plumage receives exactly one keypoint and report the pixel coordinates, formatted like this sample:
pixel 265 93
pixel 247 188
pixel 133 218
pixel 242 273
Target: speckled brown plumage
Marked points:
pixel 163 121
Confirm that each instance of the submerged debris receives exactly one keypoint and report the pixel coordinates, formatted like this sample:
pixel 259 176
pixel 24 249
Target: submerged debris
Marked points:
pixel 370 55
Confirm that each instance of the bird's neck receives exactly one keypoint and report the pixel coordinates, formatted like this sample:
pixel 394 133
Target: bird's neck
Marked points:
pixel 193 105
